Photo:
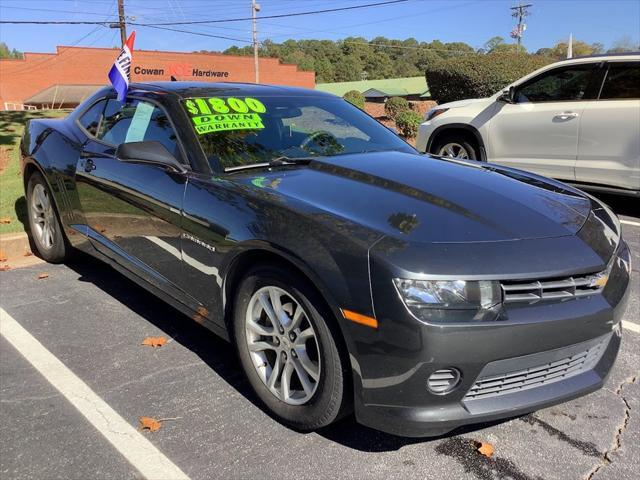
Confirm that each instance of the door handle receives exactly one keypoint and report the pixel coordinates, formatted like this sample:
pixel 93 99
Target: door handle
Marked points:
pixel 565 115
pixel 89 166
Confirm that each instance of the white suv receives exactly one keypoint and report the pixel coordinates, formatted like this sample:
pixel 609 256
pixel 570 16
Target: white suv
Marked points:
pixel 577 120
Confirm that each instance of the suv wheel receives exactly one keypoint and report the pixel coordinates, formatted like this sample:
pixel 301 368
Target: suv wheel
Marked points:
pixel 46 231
pixel 287 349
pixel 455 146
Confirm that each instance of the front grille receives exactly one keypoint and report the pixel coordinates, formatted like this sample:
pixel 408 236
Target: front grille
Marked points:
pixel 536 376
pixel 557 289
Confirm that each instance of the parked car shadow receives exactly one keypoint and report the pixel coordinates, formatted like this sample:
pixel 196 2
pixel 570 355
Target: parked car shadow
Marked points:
pixel 220 355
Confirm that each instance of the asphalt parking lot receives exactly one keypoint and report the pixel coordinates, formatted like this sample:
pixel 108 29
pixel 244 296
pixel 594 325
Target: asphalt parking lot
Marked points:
pixel 93 321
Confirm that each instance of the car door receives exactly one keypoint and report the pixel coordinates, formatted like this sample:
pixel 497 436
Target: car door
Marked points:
pixel 609 141
pixel 133 210
pixel 539 131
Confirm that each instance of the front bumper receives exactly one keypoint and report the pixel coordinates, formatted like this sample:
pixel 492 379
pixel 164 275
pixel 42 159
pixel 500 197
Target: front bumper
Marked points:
pixel 392 369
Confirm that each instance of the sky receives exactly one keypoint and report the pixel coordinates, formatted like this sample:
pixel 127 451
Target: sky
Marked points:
pixel 470 21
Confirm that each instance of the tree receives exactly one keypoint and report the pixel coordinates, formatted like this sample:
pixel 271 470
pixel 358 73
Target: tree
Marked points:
pixel 580 48
pixel 6 53
pixel 356 98
pixel 493 43
pixel 624 44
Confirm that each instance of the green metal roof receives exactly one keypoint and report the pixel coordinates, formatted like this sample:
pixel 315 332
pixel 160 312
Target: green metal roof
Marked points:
pixel 390 86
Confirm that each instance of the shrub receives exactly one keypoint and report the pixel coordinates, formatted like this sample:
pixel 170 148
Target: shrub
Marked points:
pixel 473 76
pixel 395 105
pixel 408 123
pixel 355 98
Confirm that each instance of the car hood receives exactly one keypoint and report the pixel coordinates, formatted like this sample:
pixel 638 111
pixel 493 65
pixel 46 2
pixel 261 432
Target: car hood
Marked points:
pixel 423 199
pixel 464 103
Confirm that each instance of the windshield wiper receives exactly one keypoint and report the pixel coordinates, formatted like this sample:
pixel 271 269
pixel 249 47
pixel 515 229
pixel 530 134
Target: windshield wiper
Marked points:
pixel 284 160
pixel 276 162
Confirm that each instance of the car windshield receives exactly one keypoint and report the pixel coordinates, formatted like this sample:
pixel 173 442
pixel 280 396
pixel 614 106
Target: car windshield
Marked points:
pixel 248 131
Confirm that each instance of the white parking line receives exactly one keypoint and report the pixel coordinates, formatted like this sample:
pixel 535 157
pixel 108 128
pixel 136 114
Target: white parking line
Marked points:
pixel 131 444
pixel 634 327
pixel 629 222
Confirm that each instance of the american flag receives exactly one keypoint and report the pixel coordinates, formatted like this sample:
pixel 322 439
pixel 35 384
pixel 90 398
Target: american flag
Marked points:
pixel 120 73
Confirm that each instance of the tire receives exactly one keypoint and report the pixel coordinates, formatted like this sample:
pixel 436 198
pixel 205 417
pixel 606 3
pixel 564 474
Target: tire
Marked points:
pixel 44 224
pixel 326 399
pixel 456 142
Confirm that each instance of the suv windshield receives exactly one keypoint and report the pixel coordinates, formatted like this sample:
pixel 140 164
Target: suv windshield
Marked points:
pixel 244 131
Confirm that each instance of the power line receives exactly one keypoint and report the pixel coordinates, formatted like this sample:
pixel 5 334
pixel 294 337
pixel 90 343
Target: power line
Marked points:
pixel 196 22
pixel 191 32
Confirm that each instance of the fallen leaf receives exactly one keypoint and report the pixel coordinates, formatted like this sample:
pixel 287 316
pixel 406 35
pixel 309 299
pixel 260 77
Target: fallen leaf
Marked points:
pixel 5 220
pixel 43 275
pixel 3 256
pixel 484 448
pixel 154 341
pixel 150 424
pixel 27 253
pixel 4 268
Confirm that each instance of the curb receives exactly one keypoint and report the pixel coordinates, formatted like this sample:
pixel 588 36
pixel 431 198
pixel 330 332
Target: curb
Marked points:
pixel 14 245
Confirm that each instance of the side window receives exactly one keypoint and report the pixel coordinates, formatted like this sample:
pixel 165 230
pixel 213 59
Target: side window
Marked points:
pixel 90 120
pixel 622 82
pixel 137 121
pixel 559 85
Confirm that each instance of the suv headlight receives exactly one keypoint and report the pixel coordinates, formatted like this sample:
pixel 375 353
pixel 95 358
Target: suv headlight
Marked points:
pixel 422 297
pixel 434 112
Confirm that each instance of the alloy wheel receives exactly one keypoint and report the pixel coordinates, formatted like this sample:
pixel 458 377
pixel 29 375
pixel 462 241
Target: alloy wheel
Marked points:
pixel 43 217
pixel 283 345
pixel 453 150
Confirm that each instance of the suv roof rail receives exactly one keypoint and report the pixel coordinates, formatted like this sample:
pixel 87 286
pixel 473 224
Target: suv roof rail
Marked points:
pixel 598 55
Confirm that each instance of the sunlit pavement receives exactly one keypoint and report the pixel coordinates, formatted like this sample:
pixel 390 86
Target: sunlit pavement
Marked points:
pixel 93 320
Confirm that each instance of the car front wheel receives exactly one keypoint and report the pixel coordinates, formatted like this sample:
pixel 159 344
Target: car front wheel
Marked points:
pixel 455 146
pixel 287 348
pixel 45 227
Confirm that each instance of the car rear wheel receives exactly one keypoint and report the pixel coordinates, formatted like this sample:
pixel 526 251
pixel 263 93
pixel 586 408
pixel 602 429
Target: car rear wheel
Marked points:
pixel 455 146
pixel 287 348
pixel 46 231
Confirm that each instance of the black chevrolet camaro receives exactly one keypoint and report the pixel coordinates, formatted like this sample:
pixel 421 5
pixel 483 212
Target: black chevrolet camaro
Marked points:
pixel 351 272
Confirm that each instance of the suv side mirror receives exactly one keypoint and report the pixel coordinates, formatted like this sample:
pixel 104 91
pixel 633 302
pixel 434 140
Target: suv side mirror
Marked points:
pixel 151 152
pixel 508 96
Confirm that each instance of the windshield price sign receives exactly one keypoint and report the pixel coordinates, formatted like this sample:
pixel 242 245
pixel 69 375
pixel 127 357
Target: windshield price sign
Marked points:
pixel 218 114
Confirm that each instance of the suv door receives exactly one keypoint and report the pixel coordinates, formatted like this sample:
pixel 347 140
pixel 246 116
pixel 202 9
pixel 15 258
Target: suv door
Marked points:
pixel 539 131
pixel 609 142
pixel 133 211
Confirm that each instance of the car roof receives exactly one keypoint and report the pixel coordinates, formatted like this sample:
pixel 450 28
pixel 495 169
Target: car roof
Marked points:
pixel 208 89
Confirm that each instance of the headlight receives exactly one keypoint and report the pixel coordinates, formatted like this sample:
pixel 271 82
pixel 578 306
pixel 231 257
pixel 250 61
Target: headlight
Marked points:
pixel 422 297
pixel 434 112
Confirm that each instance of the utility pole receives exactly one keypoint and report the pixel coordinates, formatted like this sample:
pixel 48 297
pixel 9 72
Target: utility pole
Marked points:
pixel 255 8
pixel 520 12
pixel 122 22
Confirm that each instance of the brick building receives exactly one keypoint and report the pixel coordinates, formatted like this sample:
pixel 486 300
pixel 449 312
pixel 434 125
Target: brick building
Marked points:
pixel 71 74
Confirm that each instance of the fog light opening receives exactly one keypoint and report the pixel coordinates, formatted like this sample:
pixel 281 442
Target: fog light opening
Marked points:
pixel 444 380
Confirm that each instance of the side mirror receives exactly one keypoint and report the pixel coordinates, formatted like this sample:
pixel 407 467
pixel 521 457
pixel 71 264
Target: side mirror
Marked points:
pixel 151 152
pixel 508 96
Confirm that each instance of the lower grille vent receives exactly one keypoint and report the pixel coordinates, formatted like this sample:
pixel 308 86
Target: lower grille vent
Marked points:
pixel 511 382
